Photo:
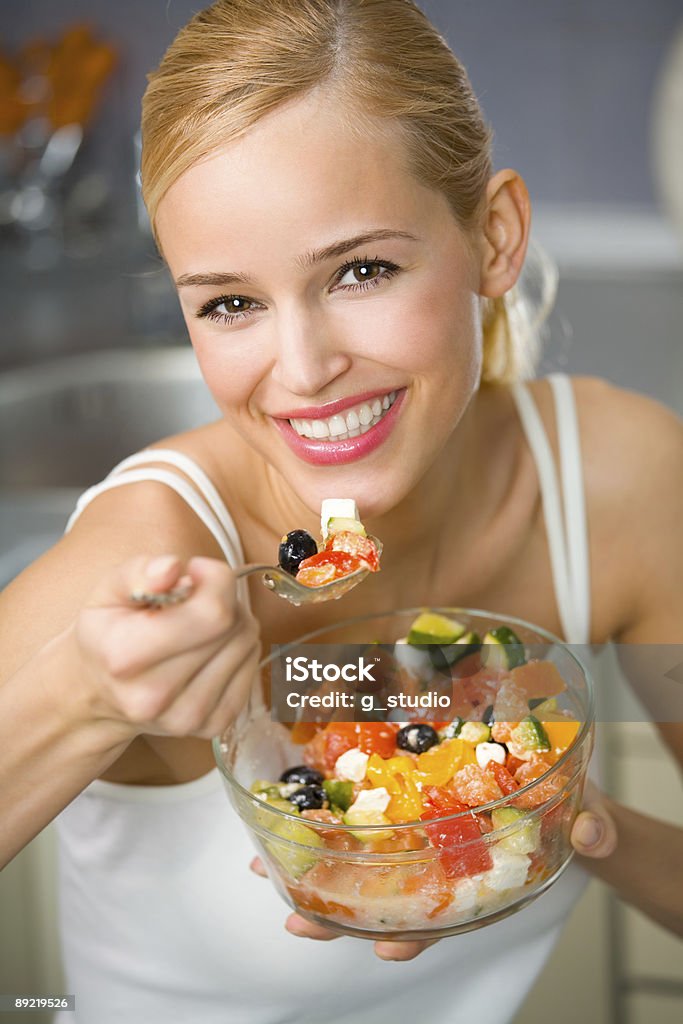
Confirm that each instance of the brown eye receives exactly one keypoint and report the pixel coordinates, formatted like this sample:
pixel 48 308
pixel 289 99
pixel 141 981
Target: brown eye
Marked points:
pixel 361 272
pixel 235 304
pixel 366 271
pixel 226 308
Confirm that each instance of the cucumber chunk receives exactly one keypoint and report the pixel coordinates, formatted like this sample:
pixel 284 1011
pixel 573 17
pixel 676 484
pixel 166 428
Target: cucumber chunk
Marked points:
pixel 475 732
pixel 531 735
pixel 294 859
pixel 445 656
pixel 431 628
pixel 503 649
pixel 358 816
pixel 525 838
pixel 342 524
pixel 542 706
pixel 451 730
pixel 339 793
pixel 265 789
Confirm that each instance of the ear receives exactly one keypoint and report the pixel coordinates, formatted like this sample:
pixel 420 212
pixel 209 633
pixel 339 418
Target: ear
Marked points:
pixel 505 233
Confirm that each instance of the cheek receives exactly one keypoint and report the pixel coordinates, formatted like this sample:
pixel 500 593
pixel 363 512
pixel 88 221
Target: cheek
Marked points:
pixel 437 329
pixel 229 370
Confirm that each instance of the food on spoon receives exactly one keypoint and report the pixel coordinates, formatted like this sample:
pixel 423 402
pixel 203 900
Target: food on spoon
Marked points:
pixel 417 774
pixel 345 546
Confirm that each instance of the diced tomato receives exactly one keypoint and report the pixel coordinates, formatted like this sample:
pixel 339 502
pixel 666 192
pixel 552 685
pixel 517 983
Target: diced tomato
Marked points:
pixel 357 545
pixel 503 777
pixel 462 850
pixel 512 763
pixel 474 786
pixel 533 771
pixel 327 566
pixel 338 737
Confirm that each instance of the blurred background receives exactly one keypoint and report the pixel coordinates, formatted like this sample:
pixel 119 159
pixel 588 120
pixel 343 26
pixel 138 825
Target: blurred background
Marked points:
pixel 586 100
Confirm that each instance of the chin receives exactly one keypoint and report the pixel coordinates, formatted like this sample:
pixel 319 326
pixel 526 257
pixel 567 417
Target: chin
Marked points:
pixel 375 493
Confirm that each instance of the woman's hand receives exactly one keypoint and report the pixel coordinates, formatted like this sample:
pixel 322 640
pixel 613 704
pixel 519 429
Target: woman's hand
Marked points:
pixel 184 670
pixel 594 833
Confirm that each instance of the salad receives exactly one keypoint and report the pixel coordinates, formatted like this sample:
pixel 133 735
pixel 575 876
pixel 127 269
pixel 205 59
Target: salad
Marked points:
pixel 345 546
pixel 414 825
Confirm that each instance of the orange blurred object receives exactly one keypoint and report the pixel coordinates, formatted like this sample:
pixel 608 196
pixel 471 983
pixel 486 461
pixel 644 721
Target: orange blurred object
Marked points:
pixel 61 81
pixel 538 679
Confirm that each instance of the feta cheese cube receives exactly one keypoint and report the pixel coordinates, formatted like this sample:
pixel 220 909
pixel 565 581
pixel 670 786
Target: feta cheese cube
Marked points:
pixel 485 752
pixel 351 765
pixel 509 870
pixel 372 800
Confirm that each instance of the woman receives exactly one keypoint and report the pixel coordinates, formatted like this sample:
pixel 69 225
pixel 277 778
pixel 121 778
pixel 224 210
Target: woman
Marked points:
pixel 319 180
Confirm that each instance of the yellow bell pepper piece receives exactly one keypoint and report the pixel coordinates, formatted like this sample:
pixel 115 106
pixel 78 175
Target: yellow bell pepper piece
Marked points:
pixel 561 734
pixel 397 776
pixel 439 764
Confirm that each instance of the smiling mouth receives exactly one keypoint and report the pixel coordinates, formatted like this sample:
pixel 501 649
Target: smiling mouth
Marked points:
pixel 351 423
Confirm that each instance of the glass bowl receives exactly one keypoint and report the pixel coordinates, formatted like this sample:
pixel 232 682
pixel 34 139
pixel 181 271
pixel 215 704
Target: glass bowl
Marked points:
pixel 420 879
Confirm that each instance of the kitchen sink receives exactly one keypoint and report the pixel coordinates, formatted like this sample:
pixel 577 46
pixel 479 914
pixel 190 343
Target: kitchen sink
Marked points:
pixel 65 424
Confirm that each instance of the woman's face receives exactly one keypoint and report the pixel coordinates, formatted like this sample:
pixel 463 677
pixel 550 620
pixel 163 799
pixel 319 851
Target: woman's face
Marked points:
pixel 331 300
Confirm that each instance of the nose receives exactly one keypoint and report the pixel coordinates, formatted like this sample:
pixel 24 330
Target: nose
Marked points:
pixel 309 354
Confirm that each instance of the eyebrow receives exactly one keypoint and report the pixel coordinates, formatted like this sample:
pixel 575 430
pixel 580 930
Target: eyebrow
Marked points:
pixel 309 259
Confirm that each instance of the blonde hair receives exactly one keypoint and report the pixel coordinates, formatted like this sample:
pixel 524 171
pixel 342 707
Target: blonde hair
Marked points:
pixel 239 60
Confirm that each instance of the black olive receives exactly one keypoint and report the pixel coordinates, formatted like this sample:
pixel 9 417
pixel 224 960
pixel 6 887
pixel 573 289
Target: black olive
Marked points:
pixel 308 798
pixel 296 546
pixel 488 715
pixel 303 774
pixel 416 738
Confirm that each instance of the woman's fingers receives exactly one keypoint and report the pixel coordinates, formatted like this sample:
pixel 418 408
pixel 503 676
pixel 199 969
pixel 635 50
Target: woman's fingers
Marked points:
pixel 594 833
pixel 398 951
pixel 183 670
pixel 402 950
pixel 298 925
pixel 257 867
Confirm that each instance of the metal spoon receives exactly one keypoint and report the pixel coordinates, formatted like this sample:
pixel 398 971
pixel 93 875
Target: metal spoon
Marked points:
pixel 272 577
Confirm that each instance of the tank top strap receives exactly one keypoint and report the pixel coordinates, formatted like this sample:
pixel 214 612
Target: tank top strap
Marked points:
pixel 202 482
pixel 202 498
pixel 567 532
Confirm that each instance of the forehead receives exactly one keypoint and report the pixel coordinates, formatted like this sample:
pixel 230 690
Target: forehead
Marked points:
pixel 302 174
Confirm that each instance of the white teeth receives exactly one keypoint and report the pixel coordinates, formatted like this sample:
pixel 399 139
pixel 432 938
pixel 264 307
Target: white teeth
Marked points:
pixel 336 425
pixel 344 425
pixel 320 429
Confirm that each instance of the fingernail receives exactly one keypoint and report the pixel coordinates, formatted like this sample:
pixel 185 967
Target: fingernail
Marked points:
pixel 296 929
pixel 160 566
pixel 589 831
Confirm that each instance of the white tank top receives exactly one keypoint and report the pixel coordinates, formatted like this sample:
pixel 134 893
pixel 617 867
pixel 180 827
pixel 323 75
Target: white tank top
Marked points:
pixel 161 920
